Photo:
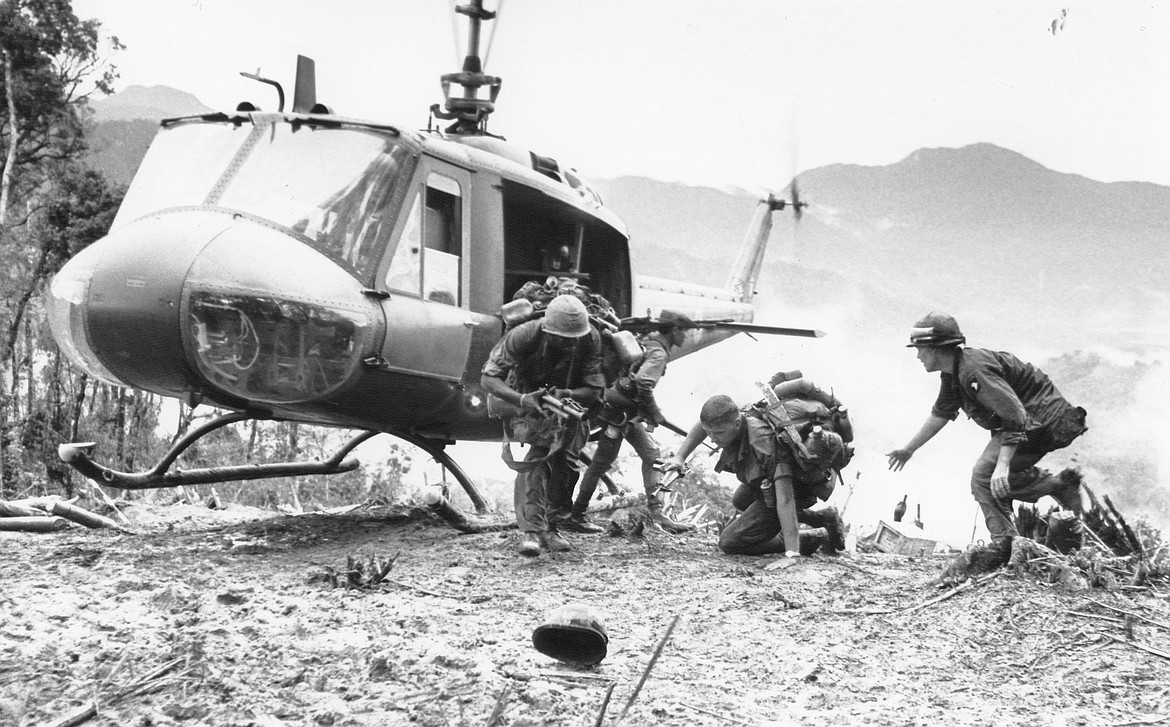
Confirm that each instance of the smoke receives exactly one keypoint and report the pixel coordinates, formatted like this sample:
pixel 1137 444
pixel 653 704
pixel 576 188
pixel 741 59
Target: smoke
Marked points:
pixel 865 362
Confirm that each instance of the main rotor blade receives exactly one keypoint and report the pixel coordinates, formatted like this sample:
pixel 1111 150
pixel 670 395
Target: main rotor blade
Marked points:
pixel 769 330
pixel 643 324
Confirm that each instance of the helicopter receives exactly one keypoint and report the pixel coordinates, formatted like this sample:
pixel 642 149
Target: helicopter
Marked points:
pixel 304 266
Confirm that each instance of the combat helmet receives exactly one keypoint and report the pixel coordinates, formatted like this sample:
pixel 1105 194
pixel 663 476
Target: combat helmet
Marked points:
pixel 936 330
pixel 566 316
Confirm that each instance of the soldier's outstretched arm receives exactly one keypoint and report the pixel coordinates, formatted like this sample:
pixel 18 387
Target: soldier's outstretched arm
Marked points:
pixel 932 426
pixel 694 438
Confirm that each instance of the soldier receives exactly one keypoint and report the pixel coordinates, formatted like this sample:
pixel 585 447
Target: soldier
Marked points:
pixel 1018 404
pixel 558 355
pixel 785 453
pixel 630 412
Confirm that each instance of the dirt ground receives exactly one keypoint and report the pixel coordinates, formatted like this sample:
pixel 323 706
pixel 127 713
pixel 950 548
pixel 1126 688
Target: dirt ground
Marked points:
pixel 209 617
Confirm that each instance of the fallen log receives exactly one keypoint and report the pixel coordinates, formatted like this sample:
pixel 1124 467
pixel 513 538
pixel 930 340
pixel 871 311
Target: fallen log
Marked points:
pixel 34 524
pixel 16 509
pixel 79 515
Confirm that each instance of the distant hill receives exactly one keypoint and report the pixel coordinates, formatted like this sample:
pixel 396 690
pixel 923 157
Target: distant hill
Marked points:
pixel 147 102
pixel 980 231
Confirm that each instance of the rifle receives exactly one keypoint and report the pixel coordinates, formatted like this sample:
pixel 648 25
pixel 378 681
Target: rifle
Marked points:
pixel 683 433
pixel 670 477
pixel 562 408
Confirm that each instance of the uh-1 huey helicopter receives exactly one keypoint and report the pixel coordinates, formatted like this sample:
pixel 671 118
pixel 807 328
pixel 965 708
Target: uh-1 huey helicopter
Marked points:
pixel 309 267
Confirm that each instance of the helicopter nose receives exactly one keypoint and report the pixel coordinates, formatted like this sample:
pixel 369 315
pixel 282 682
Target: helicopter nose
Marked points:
pixel 197 300
pixel 114 308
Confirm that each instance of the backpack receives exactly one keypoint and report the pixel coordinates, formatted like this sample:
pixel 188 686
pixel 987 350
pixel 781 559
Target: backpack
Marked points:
pixel 811 431
pixel 541 293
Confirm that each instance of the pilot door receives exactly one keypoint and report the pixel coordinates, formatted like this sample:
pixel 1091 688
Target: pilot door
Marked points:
pixel 428 327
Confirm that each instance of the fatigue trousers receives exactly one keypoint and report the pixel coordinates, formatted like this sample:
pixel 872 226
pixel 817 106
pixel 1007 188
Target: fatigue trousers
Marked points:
pixel 607 453
pixel 756 530
pixel 1025 481
pixel 540 493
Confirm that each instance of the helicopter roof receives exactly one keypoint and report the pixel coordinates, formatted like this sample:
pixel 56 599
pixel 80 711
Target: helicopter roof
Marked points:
pixel 510 161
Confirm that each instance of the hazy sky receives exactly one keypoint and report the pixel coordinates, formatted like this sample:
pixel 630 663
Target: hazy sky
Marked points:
pixel 733 92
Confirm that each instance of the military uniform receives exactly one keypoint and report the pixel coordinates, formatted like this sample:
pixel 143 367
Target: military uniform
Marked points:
pixel 1020 406
pixel 529 359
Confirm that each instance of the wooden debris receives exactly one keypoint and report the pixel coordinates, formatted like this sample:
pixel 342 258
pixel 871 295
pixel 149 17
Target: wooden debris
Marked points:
pixel 649 666
pixel 604 705
pixel 501 704
pixel 1143 647
pixel 360 573
pixel 34 524
pixel 78 515
pixel 1129 613
pixel 16 509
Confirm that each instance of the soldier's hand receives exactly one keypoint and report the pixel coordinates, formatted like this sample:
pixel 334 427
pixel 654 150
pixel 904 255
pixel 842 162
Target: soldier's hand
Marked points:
pixel 1000 486
pixel 674 464
pixel 530 402
pixel 899 458
pixel 562 394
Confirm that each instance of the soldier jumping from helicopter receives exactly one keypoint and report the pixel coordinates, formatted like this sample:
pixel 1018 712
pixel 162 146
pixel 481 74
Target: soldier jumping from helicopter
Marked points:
pixel 558 355
pixel 630 412
pixel 1025 413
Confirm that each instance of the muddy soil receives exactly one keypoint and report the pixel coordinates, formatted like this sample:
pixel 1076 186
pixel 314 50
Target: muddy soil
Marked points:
pixel 224 618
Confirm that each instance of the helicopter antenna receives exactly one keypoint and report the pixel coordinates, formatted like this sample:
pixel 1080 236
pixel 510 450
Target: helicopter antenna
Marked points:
pixel 279 91
pixel 468 111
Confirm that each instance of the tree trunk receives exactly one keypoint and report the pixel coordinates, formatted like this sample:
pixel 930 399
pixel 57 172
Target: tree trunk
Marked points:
pixel 13 139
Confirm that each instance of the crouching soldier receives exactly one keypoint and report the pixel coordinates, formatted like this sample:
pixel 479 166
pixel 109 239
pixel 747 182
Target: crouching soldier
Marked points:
pixel 785 451
pixel 1017 403
pixel 630 412
pixel 557 356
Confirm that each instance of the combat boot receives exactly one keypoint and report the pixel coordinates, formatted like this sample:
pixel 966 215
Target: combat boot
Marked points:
pixel 555 542
pixel 1070 491
pixel 529 545
pixel 835 527
pixel 663 521
pixel 577 522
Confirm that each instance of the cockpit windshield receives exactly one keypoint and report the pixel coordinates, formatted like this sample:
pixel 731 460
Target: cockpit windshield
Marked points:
pixel 338 188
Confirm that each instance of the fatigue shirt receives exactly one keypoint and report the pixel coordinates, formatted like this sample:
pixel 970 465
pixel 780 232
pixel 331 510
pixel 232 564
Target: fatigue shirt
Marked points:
pixel 646 374
pixel 528 360
pixel 1002 394
pixel 756 455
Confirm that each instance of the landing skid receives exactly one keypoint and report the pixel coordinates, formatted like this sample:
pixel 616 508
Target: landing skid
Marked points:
pixel 76 455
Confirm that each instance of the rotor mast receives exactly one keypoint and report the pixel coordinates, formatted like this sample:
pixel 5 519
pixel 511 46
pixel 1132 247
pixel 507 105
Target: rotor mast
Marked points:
pixel 468 111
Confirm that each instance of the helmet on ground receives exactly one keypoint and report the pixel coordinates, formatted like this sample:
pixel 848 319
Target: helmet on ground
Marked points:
pixel 574 634
pixel 566 316
pixel 936 330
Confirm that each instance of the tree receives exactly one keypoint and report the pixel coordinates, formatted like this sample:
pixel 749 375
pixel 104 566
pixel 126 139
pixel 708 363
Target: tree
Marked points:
pixel 47 55
pixel 49 206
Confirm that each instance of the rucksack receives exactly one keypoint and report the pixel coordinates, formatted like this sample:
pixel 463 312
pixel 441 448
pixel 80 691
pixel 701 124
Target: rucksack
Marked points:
pixel 810 430
pixel 541 293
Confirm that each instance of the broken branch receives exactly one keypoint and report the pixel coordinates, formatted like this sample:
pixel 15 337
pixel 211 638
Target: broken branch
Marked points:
pixel 649 666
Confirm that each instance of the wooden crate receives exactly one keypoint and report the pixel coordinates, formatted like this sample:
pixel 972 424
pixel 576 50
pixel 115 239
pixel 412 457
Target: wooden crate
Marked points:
pixel 890 538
